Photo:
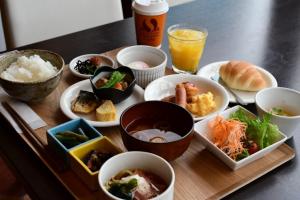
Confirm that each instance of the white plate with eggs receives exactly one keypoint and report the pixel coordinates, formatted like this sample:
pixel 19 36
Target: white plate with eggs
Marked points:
pixel 211 71
pixel 165 87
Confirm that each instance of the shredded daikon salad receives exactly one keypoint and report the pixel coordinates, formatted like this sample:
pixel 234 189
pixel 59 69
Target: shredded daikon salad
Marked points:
pixel 227 135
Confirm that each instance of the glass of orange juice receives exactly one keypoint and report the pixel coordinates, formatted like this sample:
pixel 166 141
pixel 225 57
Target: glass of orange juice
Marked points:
pixel 186 44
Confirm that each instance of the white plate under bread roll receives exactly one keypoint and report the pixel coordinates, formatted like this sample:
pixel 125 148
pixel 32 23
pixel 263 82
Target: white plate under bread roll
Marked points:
pixel 242 75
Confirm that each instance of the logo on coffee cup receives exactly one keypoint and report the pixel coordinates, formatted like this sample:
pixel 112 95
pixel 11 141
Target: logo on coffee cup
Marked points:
pixel 150 25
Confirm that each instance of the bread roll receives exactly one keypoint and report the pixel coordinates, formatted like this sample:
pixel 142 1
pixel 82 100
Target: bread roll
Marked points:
pixel 242 76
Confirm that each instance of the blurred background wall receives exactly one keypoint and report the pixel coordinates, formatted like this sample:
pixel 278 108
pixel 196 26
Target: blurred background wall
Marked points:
pixel 2 40
pixel 21 24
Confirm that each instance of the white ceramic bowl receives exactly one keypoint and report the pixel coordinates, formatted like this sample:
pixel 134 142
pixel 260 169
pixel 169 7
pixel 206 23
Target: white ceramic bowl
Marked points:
pixel 285 98
pixel 165 86
pixel 201 128
pixel 106 61
pixel 138 160
pixel 154 57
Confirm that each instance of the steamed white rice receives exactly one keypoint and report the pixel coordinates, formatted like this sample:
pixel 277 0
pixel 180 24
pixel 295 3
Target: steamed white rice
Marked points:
pixel 29 69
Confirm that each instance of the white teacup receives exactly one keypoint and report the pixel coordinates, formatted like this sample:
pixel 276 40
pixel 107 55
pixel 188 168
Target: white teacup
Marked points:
pixel 279 97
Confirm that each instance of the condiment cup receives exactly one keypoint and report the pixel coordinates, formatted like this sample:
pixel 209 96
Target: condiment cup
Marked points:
pixel 171 115
pixel 58 147
pixel 138 160
pixel 79 155
pixel 31 91
pixel 115 95
pixel 155 58
pixel 284 98
pixel 105 61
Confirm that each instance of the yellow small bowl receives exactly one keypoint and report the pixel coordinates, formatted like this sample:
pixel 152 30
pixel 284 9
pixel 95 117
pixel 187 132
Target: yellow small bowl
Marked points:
pixel 79 154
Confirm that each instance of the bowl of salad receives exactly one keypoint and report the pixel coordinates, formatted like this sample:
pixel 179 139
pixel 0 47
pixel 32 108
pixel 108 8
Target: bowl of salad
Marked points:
pixel 238 137
pixel 113 84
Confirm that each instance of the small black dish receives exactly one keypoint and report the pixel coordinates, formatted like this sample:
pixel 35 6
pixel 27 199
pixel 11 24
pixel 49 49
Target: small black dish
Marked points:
pixel 115 95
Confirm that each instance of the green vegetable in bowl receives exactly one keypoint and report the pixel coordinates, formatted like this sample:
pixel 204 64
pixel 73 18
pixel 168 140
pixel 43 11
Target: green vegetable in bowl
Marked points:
pixel 262 131
pixel 123 190
pixel 70 138
pixel 115 77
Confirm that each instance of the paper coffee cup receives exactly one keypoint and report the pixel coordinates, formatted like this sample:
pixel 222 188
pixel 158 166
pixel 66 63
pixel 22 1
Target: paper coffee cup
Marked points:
pixel 150 17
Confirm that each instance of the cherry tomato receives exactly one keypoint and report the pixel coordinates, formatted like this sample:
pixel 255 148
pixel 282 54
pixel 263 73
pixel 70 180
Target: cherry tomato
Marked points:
pixel 118 86
pixel 253 148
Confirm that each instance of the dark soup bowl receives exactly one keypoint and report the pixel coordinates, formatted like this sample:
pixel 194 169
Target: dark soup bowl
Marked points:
pixel 105 86
pixel 162 128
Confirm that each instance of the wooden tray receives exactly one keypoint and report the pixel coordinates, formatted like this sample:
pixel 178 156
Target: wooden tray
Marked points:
pixel 199 174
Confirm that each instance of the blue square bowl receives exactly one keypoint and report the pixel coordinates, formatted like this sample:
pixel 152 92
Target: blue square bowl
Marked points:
pixel 61 150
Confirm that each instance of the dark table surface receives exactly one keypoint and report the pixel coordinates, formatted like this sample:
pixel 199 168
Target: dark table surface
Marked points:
pixel 264 32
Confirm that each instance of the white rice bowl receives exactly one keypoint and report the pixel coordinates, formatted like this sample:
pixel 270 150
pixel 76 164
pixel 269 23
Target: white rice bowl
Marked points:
pixel 29 69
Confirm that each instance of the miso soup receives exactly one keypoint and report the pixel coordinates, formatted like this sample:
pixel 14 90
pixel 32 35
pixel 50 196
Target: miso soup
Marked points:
pixel 153 130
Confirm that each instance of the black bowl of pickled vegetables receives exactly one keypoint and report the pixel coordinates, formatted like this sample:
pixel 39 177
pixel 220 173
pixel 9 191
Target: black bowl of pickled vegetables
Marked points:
pixel 113 84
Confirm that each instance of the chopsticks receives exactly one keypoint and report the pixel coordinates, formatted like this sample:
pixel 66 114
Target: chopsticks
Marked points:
pixel 37 142
pixel 26 129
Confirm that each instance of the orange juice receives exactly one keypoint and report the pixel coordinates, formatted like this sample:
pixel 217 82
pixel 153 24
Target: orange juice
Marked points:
pixel 186 48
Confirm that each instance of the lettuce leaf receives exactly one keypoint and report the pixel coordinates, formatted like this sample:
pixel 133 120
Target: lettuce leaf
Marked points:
pixel 262 131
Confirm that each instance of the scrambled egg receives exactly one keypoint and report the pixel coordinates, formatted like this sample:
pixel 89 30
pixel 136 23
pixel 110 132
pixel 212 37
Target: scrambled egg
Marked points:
pixel 202 104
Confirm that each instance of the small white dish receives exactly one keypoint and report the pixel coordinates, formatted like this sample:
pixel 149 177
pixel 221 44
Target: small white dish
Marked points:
pixel 201 129
pixel 211 71
pixel 71 93
pixel 138 160
pixel 165 86
pixel 106 61
pixel 284 98
pixel 154 57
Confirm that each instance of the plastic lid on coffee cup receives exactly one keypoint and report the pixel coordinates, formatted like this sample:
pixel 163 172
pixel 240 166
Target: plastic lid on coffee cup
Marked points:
pixel 150 7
